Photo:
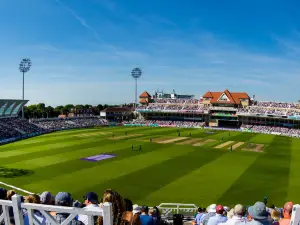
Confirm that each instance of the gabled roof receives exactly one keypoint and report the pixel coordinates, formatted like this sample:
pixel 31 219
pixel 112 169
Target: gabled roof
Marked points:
pixel 145 94
pixel 143 101
pixel 233 97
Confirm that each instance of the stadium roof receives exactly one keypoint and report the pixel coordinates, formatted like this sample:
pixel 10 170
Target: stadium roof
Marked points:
pixel 11 107
pixel 226 97
pixel 145 94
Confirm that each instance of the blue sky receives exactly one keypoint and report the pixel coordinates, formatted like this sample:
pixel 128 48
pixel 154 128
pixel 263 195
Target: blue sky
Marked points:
pixel 82 51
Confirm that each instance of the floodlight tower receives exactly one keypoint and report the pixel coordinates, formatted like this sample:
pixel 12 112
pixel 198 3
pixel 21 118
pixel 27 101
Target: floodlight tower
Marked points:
pixel 136 73
pixel 24 67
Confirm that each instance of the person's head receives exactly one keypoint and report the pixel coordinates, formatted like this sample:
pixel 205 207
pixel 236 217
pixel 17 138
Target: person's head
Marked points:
pixel 128 204
pixel 32 199
pixel 63 199
pixel 275 215
pixel 3 194
pixel 90 198
pixel 211 208
pixel 200 210
pixel 219 209
pixel 258 211
pixel 287 209
pixel 9 194
pixel 238 210
pixel 136 209
pixel 144 209
pixel 46 198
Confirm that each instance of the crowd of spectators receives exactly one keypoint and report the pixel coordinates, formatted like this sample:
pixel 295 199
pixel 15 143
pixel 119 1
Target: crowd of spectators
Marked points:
pixel 12 128
pixel 268 111
pixel 190 106
pixel 291 132
pixel 167 123
pixel 69 123
pixel 276 104
pixel 125 213
pixel 16 127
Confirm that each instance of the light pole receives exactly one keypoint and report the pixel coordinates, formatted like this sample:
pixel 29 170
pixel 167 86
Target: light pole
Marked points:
pixel 136 73
pixel 24 67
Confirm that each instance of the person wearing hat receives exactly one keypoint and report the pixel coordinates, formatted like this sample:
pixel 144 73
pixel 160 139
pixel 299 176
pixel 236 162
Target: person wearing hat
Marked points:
pixel 259 214
pixel 219 217
pixel 211 211
pixel 237 215
pixel 65 199
pixel 91 201
pixel 287 213
pixel 46 198
pixel 136 209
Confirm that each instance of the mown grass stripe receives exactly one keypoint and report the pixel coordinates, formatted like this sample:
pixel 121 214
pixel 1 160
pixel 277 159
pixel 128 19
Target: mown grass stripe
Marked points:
pixel 208 182
pixel 105 172
pixel 267 176
pixel 294 178
pixel 158 175
pixel 43 173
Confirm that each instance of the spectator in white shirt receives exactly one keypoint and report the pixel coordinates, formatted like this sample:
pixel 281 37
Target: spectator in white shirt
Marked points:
pixel 91 201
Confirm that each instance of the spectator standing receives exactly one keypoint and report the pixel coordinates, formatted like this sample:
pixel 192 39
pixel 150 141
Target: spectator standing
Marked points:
pixel 258 214
pixel 91 201
pixel 218 218
pixel 287 213
pixel 235 215
pixel 64 199
pixel 154 214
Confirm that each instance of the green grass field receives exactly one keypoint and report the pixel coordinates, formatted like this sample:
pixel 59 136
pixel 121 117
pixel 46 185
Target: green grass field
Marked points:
pixel 162 172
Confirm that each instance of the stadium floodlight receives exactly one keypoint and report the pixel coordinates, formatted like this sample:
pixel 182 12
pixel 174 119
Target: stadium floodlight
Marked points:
pixel 24 67
pixel 136 73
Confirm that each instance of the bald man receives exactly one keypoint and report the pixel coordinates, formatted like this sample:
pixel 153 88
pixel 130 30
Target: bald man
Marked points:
pixel 287 213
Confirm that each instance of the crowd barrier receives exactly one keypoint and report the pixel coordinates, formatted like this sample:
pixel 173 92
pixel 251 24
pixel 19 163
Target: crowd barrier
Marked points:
pixel 18 209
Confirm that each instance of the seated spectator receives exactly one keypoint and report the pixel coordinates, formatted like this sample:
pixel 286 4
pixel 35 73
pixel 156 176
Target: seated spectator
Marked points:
pixel 287 213
pixel 211 211
pixel 275 215
pixel 235 215
pixel 38 215
pixel 91 201
pixel 117 204
pixel 64 199
pixel 144 217
pixel 199 215
pixel 258 214
pixel 155 215
pixel 218 218
pixel 46 198
pixel 136 210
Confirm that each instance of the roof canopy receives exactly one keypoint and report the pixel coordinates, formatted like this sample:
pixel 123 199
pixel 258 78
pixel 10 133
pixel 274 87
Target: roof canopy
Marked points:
pixel 11 107
pixel 226 97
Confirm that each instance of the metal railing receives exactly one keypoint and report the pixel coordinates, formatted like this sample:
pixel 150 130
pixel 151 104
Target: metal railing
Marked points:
pixel 18 209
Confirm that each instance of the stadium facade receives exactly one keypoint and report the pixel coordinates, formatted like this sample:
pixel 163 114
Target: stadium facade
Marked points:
pixel 219 109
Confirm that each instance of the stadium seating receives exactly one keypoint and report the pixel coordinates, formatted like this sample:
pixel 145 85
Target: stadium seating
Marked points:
pixel 114 210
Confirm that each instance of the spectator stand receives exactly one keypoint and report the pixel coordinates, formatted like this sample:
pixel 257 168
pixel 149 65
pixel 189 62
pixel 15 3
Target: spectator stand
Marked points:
pixel 19 208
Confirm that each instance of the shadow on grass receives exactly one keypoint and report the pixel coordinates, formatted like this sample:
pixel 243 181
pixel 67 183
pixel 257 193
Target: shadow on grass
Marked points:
pixel 11 172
